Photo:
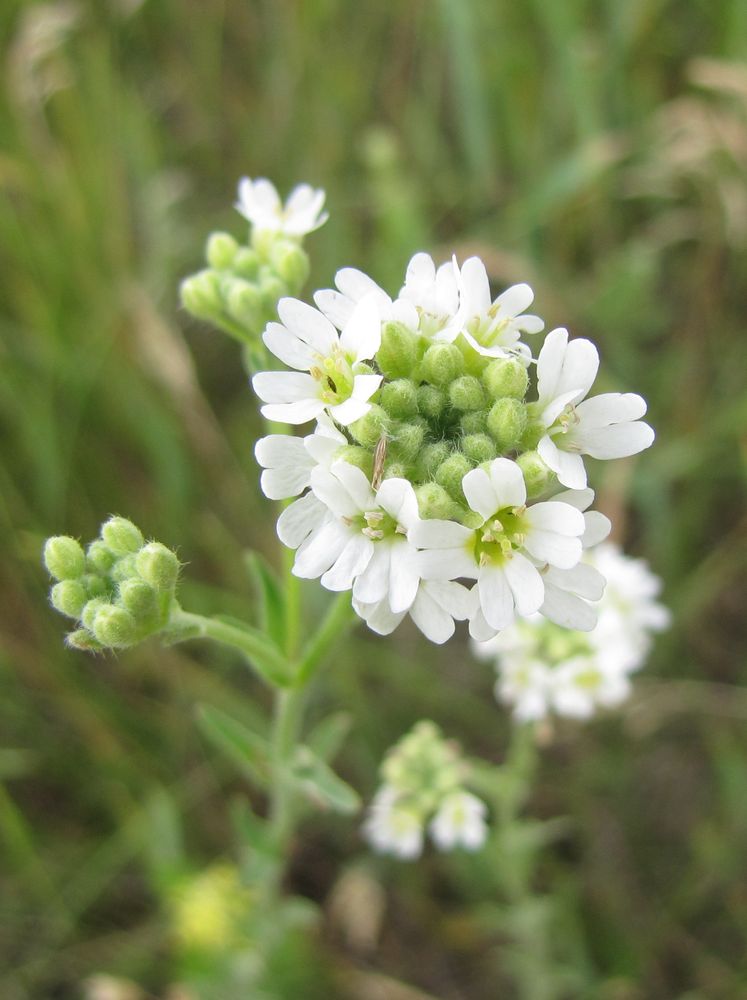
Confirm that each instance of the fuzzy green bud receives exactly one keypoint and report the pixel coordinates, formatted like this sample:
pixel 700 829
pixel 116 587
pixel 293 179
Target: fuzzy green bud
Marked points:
pixel 82 640
pixel 92 608
pixel 158 566
pixel 442 363
pixel 139 598
pixel 536 474
pixel 124 568
pixel 361 458
pixel 466 393
pixel 407 440
pixel 474 423
pixel 400 398
pixel 396 469
pixel 450 474
pixel 370 427
pixel 68 597
pixel 115 627
pixel 534 431
pixel 221 250
pixel 64 558
pixel 506 423
pixel 94 585
pixel 272 288
pixel 100 556
pixel 201 295
pixel 291 262
pixel 434 501
pixel 121 536
pixel 429 459
pixel 398 352
pixel 246 263
pixel 431 401
pixel 479 447
pixel 245 303
pixel 506 377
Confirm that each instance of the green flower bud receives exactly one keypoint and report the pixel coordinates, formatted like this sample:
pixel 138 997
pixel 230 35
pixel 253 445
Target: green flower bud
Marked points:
pixel 246 263
pixel 140 599
pixel 201 296
pixel 474 423
pixel 64 557
pixel 272 288
pixel 291 262
pixel 407 440
pixel 450 474
pixel 506 423
pixel 115 627
pixel 94 585
pixel 68 597
pixel 466 393
pixel 479 447
pixel 158 566
pixel 245 303
pixel 394 469
pixel 361 458
pixel 534 430
pixel 90 611
pixel 429 459
pixel 221 250
pixel 431 401
pixel 121 536
pixel 398 352
pixel 82 639
pixel 124 568
pixel 370 427
pixel 442 363
pixel 536 474
pixel 100 556
pixel 506 377
pixel 400 398
pixel 434 501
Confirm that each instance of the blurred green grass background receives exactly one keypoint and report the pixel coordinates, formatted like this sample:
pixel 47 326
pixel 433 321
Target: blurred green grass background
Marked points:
pixel 597 150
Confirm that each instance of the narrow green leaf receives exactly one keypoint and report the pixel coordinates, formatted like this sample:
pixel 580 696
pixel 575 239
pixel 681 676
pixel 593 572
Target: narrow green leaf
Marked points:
pixel 271 597
pixel 246 749
pixel 327 737
pixel 320 783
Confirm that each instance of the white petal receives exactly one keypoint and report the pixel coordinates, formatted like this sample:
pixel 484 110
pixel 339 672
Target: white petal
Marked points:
pixel 446 564
pixel 584 580
pixel 309 325
pixel 364 386
pixel 568 610
pixel 280 450
pixel 525 583
pixel 298 412
pixel 338 308
pixel 480 493
pixel 361 336
pixel 617 441
pixel 397 498
pixel 610 408
pixel 356 484
pixel 333 493
pixel 357 284
pixel 283 482
pixel 299 519
pixel 515 300
pixel 597 527
pixel 435 623
pixel 288 348
pixel 373 585
pixel 321 549
pixel 580 499
pixel 284 387
pixel 479 629
pixel 352 560
pixel 437 534
pixel 378 617
pixel 569 469
pixel 553 516
pixel 496 598
pixel 508 483
pixel 348 412
pixel 558 550
pixel 452 597
pixel 475 286
pixel 403 576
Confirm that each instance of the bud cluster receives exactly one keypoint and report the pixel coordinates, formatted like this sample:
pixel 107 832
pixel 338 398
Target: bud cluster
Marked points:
pixel 239 289
pixel 119 590
pixel 423 787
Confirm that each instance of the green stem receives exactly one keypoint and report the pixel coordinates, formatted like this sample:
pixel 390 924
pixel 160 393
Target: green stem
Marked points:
pixel 339 617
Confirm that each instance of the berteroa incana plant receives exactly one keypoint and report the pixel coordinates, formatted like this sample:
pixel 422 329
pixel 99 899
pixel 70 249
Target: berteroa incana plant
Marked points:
pixel 442 479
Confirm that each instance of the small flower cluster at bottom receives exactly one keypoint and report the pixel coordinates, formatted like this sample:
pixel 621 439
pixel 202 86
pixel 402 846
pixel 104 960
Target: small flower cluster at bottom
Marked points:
pixel 543 668
pixel 423 788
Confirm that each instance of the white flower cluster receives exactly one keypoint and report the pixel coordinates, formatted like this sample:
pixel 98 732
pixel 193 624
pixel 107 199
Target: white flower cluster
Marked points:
pixel 543 668
pixel 424 776
pixel 431 485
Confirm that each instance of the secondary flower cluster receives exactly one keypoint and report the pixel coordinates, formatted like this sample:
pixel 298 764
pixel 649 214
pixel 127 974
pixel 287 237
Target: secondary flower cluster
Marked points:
pixel 442 451
pixel 543 668
pixel 240 288
pixel 423 787
pixel 119 591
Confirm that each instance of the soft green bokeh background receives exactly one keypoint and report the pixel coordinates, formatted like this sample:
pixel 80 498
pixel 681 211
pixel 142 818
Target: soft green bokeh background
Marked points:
pixel 597 150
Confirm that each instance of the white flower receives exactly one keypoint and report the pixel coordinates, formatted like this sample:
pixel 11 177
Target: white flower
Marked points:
pixel 353 286
pixel 494 328
pixel 326 377
pixel 500 553
pixel 435 294
pixel 605 426
pixel 584 683
pixel 392 828
pixel 260 203
pixel 360 539
pixel 287 461
pixel 459 822
pixel 436 605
